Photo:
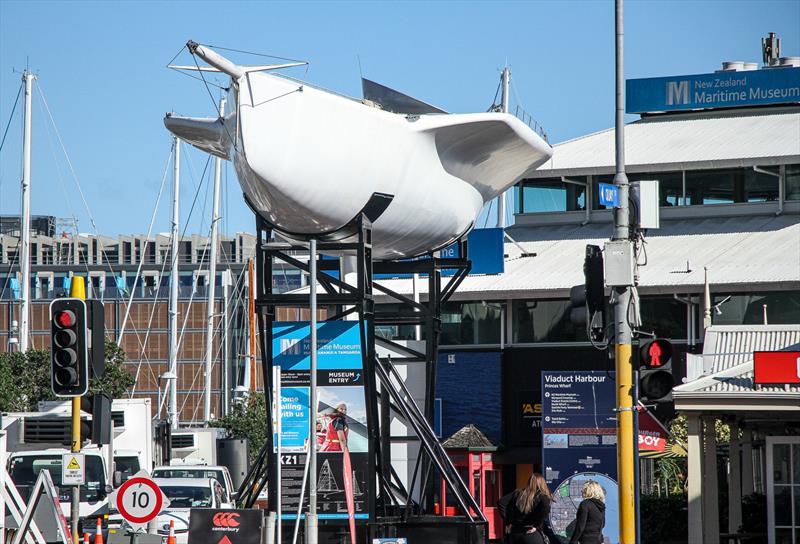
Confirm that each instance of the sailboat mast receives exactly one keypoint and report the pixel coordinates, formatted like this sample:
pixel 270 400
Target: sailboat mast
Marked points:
pixel 25 250
pixel 505 78
pixel 251 318
pixel 212 283
pixel 173 289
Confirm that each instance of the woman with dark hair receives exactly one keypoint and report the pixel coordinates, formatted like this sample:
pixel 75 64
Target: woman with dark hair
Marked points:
pixel 525 512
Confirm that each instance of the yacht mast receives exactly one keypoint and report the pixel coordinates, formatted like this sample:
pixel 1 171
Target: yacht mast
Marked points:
pixel 212 283
pixel 25 250
pixel 505 78
pixel 172 413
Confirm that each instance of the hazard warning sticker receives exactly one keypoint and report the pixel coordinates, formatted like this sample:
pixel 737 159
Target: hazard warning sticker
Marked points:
pixel 73 469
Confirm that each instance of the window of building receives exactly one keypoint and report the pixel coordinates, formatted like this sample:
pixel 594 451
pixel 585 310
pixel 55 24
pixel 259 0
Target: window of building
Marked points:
pixel 782 308
pixel 549 195
pixel 664 316
pixel 470 323
pixel 792 182
pixel 544 321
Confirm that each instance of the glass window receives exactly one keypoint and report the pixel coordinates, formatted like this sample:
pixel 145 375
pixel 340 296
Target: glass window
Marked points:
pixel 471 323
pixel 545 321
pixel 782 308
pixel 549 195
pixel 729 185
pixel 664 316
pixel 670 186
pixel 792 182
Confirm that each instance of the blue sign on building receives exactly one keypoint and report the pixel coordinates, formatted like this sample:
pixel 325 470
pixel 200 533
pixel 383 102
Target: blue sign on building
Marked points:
pixel 718 90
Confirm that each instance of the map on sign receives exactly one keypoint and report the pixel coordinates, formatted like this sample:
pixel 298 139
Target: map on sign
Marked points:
pixel 567 498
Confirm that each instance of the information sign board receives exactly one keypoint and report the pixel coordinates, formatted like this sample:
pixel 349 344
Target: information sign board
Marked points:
pixel 340 417
pixel 73 469
pixel 776 367
pixel 579 443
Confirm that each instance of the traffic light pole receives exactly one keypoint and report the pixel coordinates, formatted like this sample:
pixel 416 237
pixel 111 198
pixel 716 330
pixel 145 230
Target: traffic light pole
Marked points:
pixel 77 289
pixel 622 329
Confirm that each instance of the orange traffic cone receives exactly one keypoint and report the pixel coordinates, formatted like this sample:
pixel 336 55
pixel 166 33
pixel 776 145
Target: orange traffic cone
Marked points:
pixel 171 537
pixel 86 538
pixel 98 532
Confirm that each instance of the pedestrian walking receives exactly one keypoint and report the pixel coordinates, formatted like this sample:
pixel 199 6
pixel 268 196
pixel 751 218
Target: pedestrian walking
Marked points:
pixel 525 512
pixel 591 516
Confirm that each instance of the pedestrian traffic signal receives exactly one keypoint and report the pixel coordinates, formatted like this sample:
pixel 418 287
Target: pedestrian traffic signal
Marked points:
pixel 588 300
pixel 655 371
pixel 69 347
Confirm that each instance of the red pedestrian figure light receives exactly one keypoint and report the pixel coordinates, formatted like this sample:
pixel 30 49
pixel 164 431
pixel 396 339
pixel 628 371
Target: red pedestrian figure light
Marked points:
pixel 655 354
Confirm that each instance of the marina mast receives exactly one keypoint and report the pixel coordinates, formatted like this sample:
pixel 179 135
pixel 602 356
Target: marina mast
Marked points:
pixel 172 412
pixel 25 227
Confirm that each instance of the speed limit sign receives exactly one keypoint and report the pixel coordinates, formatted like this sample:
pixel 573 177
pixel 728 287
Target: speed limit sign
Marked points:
pixel 139 500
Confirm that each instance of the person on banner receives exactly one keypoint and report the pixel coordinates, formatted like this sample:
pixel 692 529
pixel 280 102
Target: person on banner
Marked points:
pixel 591 516
pixel 336 435
pixel 525 512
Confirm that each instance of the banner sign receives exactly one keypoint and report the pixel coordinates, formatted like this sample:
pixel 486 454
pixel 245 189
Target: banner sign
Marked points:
pixel 340 417
pixel 652 434
pixel 214 526
pixel 776 367
pixel 579 443
pixel 718 90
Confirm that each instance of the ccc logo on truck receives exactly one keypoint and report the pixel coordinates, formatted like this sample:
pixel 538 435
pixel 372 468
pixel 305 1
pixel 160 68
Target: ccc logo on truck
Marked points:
pixel 225 519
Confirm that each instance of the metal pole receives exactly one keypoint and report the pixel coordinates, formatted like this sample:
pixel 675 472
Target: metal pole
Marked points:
pixel 77 289
pixel 212 283
pixel 311 517
pixel 501 200
pixel 251 321
pixel 25 250
pixel 622 295
pixel 172 412
pixel 276 378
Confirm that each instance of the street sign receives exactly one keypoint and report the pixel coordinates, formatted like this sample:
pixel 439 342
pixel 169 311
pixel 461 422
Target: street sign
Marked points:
pixel 778 367
pixel 73 469
pixel 609 195
pixel 139 500
pixel 212 526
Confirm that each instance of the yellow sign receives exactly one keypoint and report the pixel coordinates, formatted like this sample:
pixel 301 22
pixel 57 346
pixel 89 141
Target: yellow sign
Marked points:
pixel 73 464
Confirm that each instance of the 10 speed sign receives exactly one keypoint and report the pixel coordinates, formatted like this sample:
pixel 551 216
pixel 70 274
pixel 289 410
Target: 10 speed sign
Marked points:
pixel 139 500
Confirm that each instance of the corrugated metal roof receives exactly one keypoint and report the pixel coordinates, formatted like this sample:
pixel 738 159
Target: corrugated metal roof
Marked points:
pixel 732 348
pixel 685 141
pixel 737 251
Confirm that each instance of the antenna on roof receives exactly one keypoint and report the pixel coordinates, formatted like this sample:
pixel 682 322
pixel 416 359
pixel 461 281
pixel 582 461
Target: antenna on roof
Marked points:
pixel 771 49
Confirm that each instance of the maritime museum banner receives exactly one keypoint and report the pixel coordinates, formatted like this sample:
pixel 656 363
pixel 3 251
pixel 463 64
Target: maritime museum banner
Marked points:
pixel 717 90
pixel 340 417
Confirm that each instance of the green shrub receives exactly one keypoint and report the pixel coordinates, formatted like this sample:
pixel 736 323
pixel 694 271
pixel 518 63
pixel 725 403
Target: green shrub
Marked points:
pixel 663 519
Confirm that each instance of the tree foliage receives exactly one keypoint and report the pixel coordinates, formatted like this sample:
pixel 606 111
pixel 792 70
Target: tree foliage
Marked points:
pixel 25 378
pixel 247 419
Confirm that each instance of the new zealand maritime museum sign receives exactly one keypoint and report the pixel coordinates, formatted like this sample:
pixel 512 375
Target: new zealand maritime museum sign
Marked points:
pixel 719 90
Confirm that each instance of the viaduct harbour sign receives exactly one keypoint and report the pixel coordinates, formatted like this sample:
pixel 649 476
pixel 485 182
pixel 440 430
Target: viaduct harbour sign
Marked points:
pixel 718 90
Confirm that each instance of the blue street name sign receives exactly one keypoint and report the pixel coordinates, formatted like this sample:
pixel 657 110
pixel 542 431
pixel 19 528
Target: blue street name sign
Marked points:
pixel 609 195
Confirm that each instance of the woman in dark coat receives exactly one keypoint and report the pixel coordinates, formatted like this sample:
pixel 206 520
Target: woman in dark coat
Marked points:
pixel 591 517
pixel 525 512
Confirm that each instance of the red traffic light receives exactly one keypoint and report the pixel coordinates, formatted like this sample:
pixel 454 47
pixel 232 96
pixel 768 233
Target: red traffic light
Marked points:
pixel 65 318
pixel 656 353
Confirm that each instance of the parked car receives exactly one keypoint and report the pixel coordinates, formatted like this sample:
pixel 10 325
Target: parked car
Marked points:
pixel 219 473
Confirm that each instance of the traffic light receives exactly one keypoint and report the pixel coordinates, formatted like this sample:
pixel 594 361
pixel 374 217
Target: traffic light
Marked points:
pixel 99 405
pixel 588 300
pixel 69 353
pixel 655 371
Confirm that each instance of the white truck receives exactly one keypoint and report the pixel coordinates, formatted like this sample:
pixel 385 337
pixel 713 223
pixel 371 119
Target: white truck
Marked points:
pixel 37 440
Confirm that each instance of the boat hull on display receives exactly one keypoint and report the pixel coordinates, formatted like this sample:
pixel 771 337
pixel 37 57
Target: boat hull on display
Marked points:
pixel 310 161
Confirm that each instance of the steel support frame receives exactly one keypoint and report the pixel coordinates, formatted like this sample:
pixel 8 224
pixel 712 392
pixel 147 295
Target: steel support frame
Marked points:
pixel 348 299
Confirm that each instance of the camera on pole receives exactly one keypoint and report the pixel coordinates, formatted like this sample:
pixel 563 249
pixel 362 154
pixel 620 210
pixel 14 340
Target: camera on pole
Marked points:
pixel 655 371
pixel 588 300
pixel 69 353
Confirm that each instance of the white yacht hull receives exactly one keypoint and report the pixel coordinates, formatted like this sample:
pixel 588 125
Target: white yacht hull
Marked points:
pixel 309 160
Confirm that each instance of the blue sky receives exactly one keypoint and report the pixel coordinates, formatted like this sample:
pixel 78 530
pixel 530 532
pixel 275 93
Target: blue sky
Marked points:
pixel 101 66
